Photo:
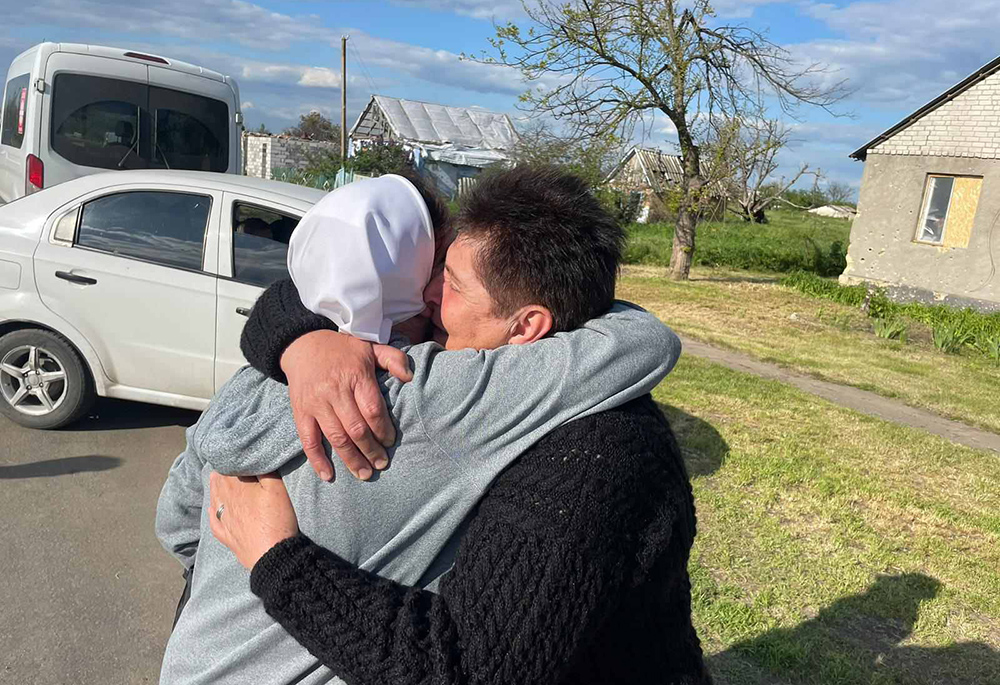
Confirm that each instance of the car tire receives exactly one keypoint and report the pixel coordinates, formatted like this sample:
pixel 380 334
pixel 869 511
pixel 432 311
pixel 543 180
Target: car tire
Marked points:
pixel 69 398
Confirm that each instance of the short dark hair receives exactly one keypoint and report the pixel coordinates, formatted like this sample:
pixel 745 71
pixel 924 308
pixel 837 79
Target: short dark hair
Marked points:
pixel 441 219
pixel 543 238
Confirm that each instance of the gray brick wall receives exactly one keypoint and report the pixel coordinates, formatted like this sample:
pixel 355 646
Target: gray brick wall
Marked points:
pixel 967 126
pixel 266 153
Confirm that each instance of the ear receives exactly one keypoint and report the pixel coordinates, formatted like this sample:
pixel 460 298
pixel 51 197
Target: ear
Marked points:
pixel 532 322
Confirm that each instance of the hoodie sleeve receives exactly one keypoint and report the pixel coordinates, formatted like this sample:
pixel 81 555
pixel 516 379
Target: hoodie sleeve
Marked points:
pixel 178 511
pixel 481 403
pixel 248 429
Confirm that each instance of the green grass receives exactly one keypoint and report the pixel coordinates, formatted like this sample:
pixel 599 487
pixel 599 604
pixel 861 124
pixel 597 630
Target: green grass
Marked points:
pixel 834 548
pixel 952 329
pixel 753 314
pixel 791 241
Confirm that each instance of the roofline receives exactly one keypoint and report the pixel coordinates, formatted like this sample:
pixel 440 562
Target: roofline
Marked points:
pixel 986 70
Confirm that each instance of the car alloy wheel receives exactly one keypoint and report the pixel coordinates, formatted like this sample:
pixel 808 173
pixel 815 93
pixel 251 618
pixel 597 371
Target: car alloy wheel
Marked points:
pixel 32 380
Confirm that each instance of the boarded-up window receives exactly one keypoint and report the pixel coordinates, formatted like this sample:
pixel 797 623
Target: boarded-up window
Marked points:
pixel 949 209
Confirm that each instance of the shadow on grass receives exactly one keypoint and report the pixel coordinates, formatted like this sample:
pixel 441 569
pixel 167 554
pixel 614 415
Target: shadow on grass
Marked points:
pixel 703 448
pixel 59 467
pixel 857 640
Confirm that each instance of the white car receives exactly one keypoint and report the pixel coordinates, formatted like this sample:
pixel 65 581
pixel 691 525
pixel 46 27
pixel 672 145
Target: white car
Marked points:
pixel 134 285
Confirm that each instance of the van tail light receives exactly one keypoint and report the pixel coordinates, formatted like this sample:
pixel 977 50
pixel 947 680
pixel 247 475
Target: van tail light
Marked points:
pixel 34 176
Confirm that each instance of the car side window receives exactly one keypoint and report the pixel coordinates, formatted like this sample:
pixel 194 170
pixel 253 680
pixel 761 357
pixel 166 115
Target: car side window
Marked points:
pixel 15 111
pixel 160 227
pixel 260 244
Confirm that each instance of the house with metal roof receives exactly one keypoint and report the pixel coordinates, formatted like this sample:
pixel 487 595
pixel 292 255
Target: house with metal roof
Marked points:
pixel 928 225
pixel 448 144
pixel 650 172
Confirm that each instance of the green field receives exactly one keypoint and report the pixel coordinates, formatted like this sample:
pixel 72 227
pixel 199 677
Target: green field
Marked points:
pixel 792 240
pixel 834 548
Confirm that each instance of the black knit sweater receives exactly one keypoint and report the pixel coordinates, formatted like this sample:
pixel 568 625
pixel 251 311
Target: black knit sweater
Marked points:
pixel 573 570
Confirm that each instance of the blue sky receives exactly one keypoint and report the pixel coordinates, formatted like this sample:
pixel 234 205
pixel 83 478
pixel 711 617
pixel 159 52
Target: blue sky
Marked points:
pixel 897 54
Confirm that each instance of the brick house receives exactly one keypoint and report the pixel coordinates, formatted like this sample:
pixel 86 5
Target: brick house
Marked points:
pixel 263 153
pixel 929 210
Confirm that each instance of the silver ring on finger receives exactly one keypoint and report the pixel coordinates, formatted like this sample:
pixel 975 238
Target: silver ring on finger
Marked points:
pixel 219 511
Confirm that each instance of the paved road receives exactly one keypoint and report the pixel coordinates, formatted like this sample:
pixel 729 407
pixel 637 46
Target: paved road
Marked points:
pixel 86 593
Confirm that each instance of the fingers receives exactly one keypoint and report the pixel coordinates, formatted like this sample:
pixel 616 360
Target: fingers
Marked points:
pixel 371 404
pixel 356 446
pixel 394 361
pixel 312 444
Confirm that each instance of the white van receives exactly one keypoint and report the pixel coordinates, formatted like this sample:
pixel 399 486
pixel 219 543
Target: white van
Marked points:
pixel 71 110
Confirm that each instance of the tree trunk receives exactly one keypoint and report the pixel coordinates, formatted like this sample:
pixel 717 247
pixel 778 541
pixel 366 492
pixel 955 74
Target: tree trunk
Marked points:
pixel 687 213
pixel 680 260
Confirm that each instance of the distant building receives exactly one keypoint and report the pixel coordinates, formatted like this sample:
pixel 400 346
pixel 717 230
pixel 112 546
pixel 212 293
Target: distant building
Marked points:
pixel 448 144
pixel 835 211
pixel 651 172
pixel 263 152
pixel 925 228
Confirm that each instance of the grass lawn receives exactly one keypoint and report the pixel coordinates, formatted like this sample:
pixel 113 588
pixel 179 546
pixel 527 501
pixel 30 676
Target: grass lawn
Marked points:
pixel 792 240
pixel 833 548
pixel 752 314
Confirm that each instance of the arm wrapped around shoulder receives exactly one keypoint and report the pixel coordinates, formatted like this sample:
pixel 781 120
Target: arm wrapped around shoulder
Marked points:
pixel 278 318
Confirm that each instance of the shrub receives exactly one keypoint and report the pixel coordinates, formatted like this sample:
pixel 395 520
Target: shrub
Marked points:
pixel 890 329
pixel 950 337
pixel 989 346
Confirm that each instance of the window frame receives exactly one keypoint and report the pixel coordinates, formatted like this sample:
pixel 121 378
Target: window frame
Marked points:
pixel 925 208
pixel 204 240
pixel 236 203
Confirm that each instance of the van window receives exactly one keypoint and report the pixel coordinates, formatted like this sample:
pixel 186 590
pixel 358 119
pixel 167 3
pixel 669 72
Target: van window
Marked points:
pixel 15 111
pixel 113 124
pixel 190 131
pixel 97 121
pixel 160 227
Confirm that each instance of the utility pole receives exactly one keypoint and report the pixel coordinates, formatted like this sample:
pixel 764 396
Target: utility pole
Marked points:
pixel 343 100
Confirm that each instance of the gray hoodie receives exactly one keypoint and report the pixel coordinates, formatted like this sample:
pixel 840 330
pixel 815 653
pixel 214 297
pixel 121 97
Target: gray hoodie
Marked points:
pixel 464 417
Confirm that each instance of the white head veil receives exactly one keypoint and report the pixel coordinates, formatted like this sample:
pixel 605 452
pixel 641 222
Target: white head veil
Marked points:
pixel 363 255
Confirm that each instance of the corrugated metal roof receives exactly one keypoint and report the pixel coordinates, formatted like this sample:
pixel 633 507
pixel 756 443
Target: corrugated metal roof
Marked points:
pixel 424 122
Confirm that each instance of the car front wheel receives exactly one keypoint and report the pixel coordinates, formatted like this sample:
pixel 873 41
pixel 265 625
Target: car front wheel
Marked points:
pixel 43 381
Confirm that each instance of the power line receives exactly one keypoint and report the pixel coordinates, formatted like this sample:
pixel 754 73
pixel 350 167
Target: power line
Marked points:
pixel 364 67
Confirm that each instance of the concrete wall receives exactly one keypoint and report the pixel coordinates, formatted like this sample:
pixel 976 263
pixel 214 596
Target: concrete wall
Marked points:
pixel 883 249
pixel 967 126
pixel 265 153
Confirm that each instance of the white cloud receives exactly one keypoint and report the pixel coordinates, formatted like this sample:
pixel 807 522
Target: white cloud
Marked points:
pixel 901 53
pixel 255 26
pixel 247 105
pixel 478 9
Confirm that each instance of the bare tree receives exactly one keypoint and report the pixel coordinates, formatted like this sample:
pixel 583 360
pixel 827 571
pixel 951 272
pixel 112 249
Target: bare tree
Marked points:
pixel 602 65
pixel 745 150
pixel 839 193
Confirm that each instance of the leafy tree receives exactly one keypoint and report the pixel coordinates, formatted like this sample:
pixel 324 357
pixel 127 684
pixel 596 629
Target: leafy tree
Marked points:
pixel 379 158
pixel 603 65
pixel 590 158
pixel 374 159
pixel 264 130
pixel 315 126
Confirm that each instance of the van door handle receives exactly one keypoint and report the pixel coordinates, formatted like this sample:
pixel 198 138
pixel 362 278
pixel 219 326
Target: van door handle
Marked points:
pixel 73 278
pixel 243 311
